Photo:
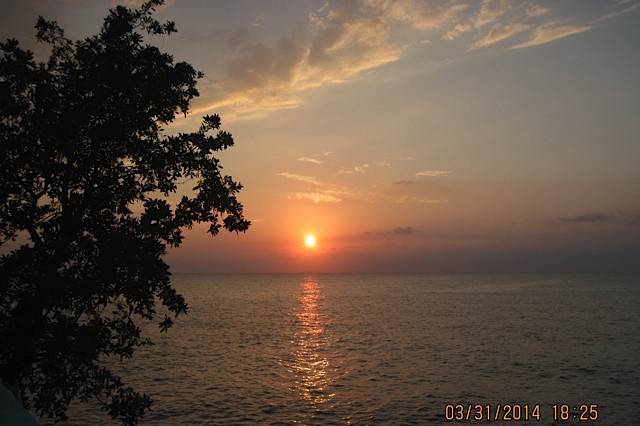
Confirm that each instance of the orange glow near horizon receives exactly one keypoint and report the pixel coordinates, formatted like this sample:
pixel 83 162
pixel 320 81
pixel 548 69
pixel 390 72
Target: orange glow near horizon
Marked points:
pixel 310 240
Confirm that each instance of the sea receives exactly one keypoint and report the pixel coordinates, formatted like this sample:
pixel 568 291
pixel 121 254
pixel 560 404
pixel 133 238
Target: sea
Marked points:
pixel 362 349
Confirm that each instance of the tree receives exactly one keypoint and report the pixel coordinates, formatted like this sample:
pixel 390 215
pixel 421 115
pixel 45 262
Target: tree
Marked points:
pixel 87 174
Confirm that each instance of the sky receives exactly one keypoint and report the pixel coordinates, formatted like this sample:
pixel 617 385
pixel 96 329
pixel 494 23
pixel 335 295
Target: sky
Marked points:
pixel 409 136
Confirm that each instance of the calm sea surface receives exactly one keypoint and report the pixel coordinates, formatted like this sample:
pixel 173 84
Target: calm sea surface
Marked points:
pixel 390 349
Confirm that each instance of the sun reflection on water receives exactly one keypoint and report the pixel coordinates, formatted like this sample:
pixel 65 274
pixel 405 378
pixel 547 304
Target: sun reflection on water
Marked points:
pixel 310 366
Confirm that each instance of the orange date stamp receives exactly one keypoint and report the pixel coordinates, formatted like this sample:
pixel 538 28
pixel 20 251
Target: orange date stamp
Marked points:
pixel 516 412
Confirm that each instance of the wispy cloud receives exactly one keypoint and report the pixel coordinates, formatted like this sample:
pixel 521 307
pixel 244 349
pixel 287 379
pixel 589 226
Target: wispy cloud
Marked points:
pixel 536 23
pixel 499 33
pixel 490 11
pixel 457 30
pixel 342 40
pixel 341 43
pixel 551 32
pixel 535 10
pixel 316 197
pixel 356 170
pixel 633 5
pixel 361 169
pixel 324 192
pixel 418 15
pixel 434 173
pixel 309 160
pixel 300 178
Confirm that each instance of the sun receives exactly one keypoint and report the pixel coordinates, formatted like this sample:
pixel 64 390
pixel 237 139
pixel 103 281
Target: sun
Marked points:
pixel 310 240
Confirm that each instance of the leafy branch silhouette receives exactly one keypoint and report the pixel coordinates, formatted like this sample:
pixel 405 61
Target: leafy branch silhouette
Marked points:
pixel 86 175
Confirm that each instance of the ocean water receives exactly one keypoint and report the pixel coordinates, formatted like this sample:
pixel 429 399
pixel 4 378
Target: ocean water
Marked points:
pixel 390 349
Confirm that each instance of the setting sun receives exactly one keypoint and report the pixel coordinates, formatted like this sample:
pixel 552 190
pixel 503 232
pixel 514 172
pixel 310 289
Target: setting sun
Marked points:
pixel 310 240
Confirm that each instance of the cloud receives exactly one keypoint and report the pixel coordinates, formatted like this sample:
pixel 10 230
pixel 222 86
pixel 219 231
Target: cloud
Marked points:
pixel 309 160
pixel 434 173
pixel 384 234
pixel 321 193
pixel 535 10
pixel 361 168
pixel 586 218
pixel 338 194
pixel 551 32
pixel 300 178
pixel 634 5
pixel 324 192
pixel 403 230
pixel 490 11
pixel 404 182
pixel 500 32
pixel 418 15
pixel 316 197
pixel 458 30
pixel 357 170
pixel 340 43
pixel 511 18
pixel 342 40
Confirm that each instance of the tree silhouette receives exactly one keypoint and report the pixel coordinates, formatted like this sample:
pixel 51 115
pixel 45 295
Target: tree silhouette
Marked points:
pixel 87 174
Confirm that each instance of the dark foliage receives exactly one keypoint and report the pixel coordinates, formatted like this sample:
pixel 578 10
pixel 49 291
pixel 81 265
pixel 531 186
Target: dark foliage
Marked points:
pixel 85 177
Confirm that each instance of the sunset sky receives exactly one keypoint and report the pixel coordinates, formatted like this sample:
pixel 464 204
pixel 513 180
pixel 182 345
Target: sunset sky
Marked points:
pixel 410 136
